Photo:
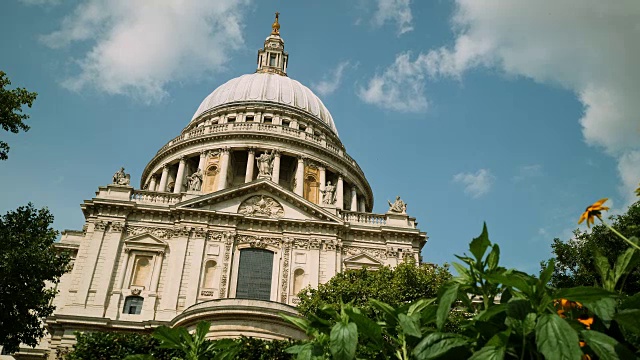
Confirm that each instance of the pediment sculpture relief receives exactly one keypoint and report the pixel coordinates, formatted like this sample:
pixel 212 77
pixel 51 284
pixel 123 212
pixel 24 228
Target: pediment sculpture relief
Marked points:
pixel 261 205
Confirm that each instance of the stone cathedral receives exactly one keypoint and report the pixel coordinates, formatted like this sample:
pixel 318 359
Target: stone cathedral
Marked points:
pixel 256 199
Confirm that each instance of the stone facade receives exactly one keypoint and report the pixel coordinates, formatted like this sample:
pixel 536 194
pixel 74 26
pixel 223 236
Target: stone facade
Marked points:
pixel 231 222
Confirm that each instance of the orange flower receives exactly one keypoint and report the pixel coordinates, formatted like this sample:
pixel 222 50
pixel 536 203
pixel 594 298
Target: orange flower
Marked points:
pixel 592 211
pixel 586 320
pixel 582 343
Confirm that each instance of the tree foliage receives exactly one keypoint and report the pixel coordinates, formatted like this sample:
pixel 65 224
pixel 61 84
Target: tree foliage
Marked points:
pixel 28 261
pixel 403 284
pixel 11 116
pixel 574 259
pixel 519 316
pixel 111 345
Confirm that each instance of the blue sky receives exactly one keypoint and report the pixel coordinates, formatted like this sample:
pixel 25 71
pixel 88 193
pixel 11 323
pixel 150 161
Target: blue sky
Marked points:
pixel 516 113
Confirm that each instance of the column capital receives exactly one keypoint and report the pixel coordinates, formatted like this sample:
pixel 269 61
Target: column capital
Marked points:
pixel 225 150
pixel 213 152
pixel 302 159
pixel 276 152
pixel 251 149
pixel 340 177
pixel 183 158
pixel 165 166
pixel 204 152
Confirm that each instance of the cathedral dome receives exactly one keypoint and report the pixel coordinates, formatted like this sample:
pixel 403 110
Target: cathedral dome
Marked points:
pixel 270 88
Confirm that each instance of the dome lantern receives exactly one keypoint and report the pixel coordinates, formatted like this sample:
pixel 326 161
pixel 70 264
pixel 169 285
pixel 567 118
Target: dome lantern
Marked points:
pixel 272 58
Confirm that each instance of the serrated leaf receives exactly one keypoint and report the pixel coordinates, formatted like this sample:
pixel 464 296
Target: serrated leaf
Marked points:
pixel 606 347
pixel 556 339
pixel 410 325
pixel 463 272
pixel 343 341
pixel 367 327
pixel 435 345
pixel 547 272
pixel 494 257
pixel 448 294
pixel 489 353
pixel 479 245
pixel 629 319
pixel 519 308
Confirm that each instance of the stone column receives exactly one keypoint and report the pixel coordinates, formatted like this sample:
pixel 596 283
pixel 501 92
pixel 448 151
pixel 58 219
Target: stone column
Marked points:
pixel 340 193
pixel 275 174
pixel 361 204
pixel 152 183
pixel 251 159
pixel 177 189
pixel 203 157
pixel 354 198
pixel 109 251
pixel 224 169
pixel 299 190
pixel 323 182
pixel 164 177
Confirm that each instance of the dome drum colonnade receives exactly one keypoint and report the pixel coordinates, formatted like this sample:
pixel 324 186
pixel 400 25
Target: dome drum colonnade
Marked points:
pixel 254 114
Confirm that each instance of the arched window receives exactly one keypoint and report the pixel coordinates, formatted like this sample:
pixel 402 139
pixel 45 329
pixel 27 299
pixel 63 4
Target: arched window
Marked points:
pixel 298 281
pixel 209 273
pixel 141 271
pixel 133 305
pixel 254 274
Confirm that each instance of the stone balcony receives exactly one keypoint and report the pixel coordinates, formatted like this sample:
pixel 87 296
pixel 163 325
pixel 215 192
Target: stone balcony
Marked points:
pixel 261 128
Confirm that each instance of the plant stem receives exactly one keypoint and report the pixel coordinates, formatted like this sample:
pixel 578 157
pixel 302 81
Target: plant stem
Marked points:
pixel 524 343
pixel 619 235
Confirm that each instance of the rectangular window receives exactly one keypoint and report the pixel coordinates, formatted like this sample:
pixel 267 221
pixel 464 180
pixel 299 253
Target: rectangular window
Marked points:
pixel 231 119
pixel 133 305
pixel 249 118
pixel 272 60
pixel 286 123
pixel 254 274
pixel 267 120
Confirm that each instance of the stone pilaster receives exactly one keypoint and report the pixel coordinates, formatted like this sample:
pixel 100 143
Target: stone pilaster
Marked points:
pixel 163 178
pixel 224 168
pixel 203 158
pixel 177 189
pixel 169 302
pixel 110 247
pixel 340 193
pixel 299 190
pixel 354 198
pixel 275 174
pixel 251 159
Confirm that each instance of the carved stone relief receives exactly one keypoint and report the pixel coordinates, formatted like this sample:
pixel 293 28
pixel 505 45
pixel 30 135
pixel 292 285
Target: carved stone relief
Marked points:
pixel 259 242
pixel 380 254
pixel 99 225
pixel 229 239
pixel 116 227
pixel 161 233
pixel 263 206
pixel 285 273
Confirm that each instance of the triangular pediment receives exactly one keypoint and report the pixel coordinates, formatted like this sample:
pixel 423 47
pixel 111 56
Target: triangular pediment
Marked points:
pixel 362 260
pixel 260 199
pixel 145 241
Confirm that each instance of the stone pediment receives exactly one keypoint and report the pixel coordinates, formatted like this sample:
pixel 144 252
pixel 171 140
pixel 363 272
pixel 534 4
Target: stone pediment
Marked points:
pixel 260 199
pixel 145 242
pixel 362 260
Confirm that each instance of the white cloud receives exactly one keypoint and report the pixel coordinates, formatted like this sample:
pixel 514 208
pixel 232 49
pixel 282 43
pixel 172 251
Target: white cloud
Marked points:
pixel 136 48
pixel 587 46
pixel 527 172
pixel 397 11
pixel 400 87
pixel 331 82
pixel 476 184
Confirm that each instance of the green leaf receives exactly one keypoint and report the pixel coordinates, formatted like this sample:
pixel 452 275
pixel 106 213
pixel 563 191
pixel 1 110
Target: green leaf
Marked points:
pixel 170 338
pixel 605 346
pixel 500 339
pixel 605 309
pixel 479 245
pixel 628 260
pixel 418 306
pixel 632 302
pixel 489 353
pixel 556 339
pixel 494 257
pixel 512 278
pixel 388 310
pixel 604 270
pixel 435 345
pixel 139 357
pixel 629 319
pixel 547 272
pixel 448 294
pixel 519 308
pixel 529 323
pixel 463 273
pixel 410 325
pixel 584 294
pixel 367 327
pixel 297 321
pixel 491 311
pixel 343 341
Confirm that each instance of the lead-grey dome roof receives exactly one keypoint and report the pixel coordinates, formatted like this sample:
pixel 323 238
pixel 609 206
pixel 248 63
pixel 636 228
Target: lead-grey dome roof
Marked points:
pixel 266 87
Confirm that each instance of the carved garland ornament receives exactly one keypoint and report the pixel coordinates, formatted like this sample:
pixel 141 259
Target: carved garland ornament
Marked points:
pixel 261 206
pixel 225 267
pixel 380 254
pixel 285 271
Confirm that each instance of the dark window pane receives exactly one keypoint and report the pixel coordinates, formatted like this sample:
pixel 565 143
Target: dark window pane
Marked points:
pixel 133 305
pixel 254 274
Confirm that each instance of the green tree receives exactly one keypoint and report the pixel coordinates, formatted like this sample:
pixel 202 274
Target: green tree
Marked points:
pixel 28 261
pixel 403 284
pixel 11 116
pixel 574 259
pixel 111 345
